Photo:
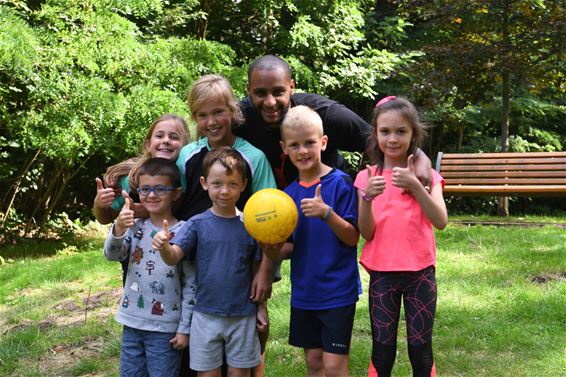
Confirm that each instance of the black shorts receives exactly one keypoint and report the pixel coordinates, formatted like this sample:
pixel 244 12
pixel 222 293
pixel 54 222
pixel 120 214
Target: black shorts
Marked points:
pixel 329 329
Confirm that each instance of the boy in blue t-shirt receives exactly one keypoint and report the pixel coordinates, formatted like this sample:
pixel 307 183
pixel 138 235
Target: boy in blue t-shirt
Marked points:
pixel 226 260
pixel 325 282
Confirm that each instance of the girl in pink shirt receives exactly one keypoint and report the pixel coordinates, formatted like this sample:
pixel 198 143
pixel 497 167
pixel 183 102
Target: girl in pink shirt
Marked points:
pixel 396 216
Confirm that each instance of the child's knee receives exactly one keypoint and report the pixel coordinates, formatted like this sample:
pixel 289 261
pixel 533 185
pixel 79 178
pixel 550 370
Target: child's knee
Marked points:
pixel 335 364
pixel 313 357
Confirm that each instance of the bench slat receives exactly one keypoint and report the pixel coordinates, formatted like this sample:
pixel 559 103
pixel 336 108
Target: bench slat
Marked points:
pixel 500 174
pixel 496 190
pixel 516 168
pixel 505 181
pixel 504 155
pixel 517 161
pixel 501 167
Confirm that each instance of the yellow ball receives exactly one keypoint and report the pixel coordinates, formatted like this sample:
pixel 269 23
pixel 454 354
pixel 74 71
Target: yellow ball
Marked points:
pixel 270 216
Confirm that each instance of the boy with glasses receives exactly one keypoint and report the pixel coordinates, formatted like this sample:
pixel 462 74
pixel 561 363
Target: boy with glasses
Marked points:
pixel 157 304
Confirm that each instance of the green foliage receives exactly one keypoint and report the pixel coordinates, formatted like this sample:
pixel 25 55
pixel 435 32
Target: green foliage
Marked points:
pixel 81 80
pixel 18 42
pixel 331 39
pixel 461 74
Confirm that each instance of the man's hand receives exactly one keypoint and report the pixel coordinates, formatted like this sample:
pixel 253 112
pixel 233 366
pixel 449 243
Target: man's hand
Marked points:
pixel 423 169
pixel 262 284
pixel 272 251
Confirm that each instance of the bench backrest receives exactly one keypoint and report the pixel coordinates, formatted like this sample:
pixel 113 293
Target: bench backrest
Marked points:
pixel 503 174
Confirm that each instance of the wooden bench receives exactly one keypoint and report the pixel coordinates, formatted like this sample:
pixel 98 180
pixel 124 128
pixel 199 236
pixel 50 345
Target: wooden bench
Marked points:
pixel 503 174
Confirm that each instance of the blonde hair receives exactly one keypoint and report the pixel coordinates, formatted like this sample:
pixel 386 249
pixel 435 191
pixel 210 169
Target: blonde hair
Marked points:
pixel 302 116
pixel 130 166
pixel 214 87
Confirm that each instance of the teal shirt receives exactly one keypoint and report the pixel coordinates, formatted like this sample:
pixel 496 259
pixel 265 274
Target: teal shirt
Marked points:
pixel 262 176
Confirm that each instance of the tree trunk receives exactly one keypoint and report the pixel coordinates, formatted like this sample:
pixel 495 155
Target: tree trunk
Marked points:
pixel 16 186
pixel 202 23
pixel 65 178
pixel 503 202
pixel 43 203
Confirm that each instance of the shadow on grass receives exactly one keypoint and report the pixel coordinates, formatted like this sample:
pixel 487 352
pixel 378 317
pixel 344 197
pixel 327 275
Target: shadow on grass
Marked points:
pixel 35 249
pixel 86 238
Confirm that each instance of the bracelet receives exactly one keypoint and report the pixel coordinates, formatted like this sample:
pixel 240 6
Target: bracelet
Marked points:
pixel 327 216
pixel 367 198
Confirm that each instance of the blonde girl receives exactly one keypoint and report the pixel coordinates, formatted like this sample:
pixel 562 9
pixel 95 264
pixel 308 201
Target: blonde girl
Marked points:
pixel 216 111
pixel 164 138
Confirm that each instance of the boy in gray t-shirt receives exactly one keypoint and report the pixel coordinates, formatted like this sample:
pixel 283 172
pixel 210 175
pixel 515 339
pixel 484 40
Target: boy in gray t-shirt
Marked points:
pixel 157 304
pixel 226 259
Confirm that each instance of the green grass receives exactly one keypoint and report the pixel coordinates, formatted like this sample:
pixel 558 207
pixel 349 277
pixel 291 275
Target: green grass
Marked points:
pixel 501 308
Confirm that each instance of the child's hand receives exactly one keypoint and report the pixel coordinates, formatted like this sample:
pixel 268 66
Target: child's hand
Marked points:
pixel 180 341
pixel 161 239
pixel 315 207
pixel 104 196
pixel 405 178
pixel 272 251
pixel 375 184
pixel 261 285
pixel 124 220
pixel 138 208
pixel 262 319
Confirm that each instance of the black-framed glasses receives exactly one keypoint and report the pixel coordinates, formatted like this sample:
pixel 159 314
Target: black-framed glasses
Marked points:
pixel 158 190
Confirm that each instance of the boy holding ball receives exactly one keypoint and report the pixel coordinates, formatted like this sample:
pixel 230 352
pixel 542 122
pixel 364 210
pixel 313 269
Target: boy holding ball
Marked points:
pixel 226 259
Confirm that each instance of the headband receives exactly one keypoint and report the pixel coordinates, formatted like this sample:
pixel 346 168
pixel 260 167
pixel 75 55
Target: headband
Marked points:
pixel 384 100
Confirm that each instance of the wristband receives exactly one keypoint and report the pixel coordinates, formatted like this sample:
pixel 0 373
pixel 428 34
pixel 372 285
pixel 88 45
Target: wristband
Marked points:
pixel 327 216
pixel 367 198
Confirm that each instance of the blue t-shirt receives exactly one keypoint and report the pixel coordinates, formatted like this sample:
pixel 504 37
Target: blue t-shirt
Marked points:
pixel 224 255
pixel 324 270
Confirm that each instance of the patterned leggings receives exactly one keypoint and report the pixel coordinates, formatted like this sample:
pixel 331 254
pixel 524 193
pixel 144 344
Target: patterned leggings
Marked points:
pixel 418 290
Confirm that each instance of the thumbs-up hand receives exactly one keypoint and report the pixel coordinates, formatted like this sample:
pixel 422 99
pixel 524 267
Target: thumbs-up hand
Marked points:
pixel 315 207
pixel 375 184
pixel 405 178
pixel 161 239
pixel 104 196
pixel 124 220
pixel 138 208
pixel 126 216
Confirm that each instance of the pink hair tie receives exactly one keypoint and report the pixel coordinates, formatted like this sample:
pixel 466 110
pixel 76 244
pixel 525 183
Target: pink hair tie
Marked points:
pixel 384 100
